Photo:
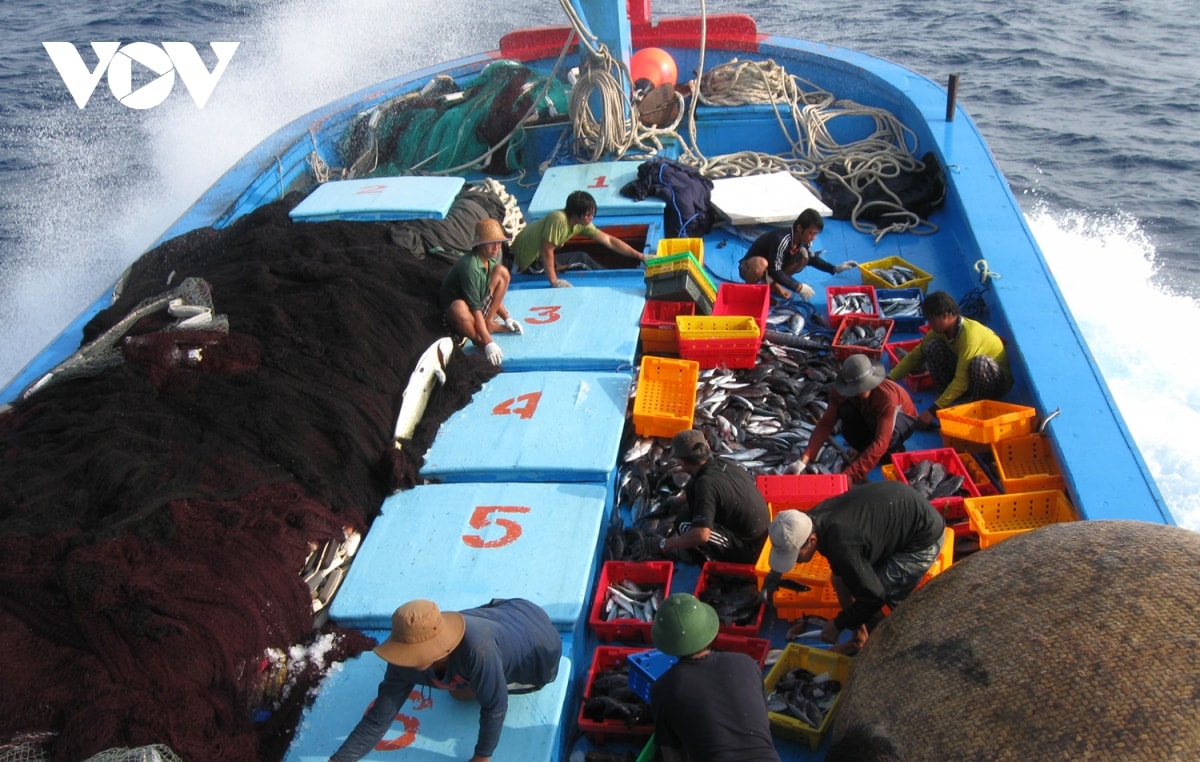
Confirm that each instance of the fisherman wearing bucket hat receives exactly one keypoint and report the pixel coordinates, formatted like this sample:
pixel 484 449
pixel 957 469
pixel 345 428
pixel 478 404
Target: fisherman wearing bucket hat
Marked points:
pixel 879 539
pixel 876 413
pixel 508 646
pixel 709 705
pixel 726 517
pixel 472 295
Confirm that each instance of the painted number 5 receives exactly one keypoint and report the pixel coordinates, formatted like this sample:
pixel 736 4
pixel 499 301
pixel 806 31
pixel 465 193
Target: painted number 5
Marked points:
pixel 482 518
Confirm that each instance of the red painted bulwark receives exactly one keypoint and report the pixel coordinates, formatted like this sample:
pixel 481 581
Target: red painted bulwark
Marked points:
pixel 726 31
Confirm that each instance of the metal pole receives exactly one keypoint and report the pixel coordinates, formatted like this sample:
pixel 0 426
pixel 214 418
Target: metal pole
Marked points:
pixel 951 97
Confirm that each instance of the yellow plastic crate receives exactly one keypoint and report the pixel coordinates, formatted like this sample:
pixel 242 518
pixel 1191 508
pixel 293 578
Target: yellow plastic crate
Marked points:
pixel 986 421
pixel 819 662
pixel 666 396
pixel 869 278
pixel 669 246
pixel 1027 464
pixel 999 517
pixel 731 340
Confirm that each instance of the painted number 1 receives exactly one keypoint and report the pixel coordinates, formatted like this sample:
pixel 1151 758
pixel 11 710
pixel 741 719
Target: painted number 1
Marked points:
pixel 524 406
pixel 482 518
pixel 600 182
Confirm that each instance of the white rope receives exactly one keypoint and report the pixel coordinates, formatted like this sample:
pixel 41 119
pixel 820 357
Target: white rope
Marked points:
pixel 985 273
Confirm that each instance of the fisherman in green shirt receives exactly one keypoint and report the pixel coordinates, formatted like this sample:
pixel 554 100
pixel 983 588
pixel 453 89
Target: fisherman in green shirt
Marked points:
pixel 535 249
pixel 965 358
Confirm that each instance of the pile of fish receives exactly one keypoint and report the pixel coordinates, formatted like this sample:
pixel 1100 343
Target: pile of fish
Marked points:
pixel 896 275
pixel 610 698
pixel 734 597
pixel 628 600
pixel 852 302
pixel 760 418
pixel 804 696
pixel 893 307
pixel 931 479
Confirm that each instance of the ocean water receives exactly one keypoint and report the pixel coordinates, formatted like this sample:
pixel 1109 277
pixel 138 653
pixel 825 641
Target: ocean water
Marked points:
pixel 1089 106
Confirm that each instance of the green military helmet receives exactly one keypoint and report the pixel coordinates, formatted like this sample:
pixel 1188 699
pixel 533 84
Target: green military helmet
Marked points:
pixel 684 625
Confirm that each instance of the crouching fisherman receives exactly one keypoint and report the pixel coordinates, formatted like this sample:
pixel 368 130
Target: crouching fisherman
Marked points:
pixel 709 706
pixel 485 653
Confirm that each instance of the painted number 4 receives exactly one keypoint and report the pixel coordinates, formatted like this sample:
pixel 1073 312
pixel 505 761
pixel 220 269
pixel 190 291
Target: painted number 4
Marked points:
pixel 524 405
pixel 482 518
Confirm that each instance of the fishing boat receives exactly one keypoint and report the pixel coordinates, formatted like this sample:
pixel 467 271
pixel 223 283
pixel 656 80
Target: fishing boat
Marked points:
pixel 515 491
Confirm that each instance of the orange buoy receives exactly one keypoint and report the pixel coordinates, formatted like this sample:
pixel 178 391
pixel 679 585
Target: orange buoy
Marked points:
pixel 653 64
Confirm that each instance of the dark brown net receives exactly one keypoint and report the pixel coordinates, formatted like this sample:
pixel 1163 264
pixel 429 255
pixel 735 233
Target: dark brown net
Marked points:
pixel 154 517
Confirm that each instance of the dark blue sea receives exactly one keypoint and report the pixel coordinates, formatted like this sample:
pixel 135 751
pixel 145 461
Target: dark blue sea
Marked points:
pixel 1090 106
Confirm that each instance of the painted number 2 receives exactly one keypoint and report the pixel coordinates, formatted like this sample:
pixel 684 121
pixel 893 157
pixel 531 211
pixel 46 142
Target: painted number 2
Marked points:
pixel 482 518
pixel 524 406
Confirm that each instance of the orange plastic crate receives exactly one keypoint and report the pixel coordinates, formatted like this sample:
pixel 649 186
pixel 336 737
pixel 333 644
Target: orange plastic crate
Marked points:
pixel 644 574
pixel 603 731
pixel 1027 464
pixel 714 341
pixel 999 517
pixel 832 292
pixel 945 557
pixel 986 421
pixel 666 396
pixel 841 351
pixel 801 491
pixel 658 331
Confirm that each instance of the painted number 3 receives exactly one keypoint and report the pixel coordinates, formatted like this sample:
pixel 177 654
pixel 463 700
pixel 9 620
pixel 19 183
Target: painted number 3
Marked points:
pixel 482 518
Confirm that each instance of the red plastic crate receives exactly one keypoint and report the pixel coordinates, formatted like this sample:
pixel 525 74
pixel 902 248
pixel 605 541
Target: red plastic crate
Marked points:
pixel 647 666
pixel 755 648
pixel 731 341
pixel 842 351
pixel 801 491
pixel 751 300
pixel 644 574
pixel 658 331
pixel 951 508
pixel 712 568
pixel 915 382
pixel 835 318
pixel 603 731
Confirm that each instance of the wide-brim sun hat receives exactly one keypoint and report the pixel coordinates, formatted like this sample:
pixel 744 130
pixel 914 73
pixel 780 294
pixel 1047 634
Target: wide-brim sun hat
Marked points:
pixel 421 635
pixel 489 230
pixel 858 374
pixel 684 625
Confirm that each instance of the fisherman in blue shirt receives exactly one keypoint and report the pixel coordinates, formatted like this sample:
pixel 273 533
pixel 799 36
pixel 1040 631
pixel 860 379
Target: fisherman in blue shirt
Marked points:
pixel 485 653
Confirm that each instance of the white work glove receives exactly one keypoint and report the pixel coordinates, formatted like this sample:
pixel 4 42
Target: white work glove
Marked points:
pixel 492 352
pixel 805 292
pixel 515 326
pixel 849 263
pixel 562 283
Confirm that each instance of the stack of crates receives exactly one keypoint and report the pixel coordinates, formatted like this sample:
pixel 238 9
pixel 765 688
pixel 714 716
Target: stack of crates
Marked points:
pixel 677 274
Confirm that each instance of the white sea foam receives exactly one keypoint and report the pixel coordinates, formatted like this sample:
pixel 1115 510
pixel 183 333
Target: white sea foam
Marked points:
pixel 1141 338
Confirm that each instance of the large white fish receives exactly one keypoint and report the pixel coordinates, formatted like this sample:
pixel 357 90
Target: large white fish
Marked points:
pixel 430 370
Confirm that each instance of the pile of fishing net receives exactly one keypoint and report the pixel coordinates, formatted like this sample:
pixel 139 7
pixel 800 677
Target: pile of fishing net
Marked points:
pixel 155 515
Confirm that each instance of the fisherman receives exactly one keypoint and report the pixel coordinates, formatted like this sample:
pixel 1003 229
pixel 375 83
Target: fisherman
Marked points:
pixel 726 516
pixel 879 539
pixel 876 414
pixel 473 291
pixel 776 256
pixel 709 706
pixel 535 249
pixel 966 359
pixel 507 647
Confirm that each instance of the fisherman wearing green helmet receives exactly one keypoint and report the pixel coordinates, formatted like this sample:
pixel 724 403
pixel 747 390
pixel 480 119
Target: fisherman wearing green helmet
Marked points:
pixel 709 706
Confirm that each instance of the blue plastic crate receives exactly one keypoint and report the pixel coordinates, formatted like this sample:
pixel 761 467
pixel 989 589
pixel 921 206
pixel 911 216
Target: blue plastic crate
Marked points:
pixel 904 324
pixel 645 668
